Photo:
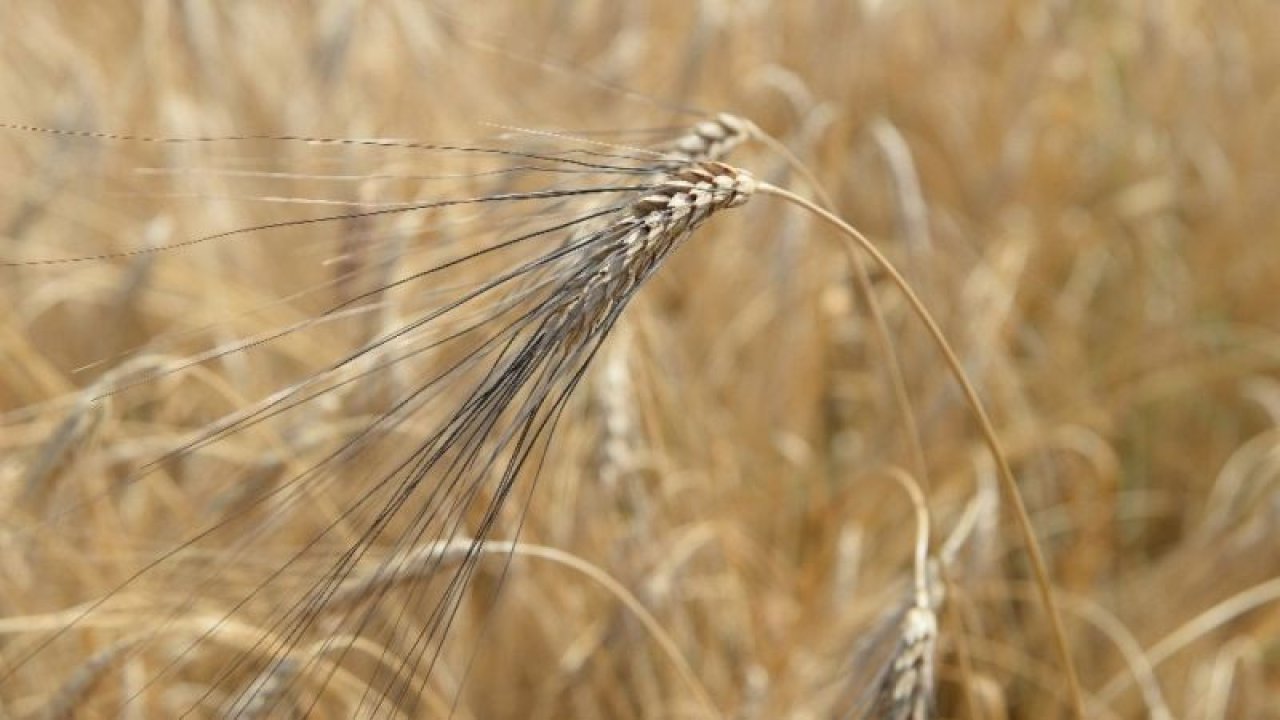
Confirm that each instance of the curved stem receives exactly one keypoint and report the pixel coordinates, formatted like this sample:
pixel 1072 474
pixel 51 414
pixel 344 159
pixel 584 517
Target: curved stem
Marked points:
pixel 921 556
pixel 855 241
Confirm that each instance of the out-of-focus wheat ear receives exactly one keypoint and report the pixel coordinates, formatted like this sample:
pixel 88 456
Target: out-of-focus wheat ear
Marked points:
pixel 616 404
pixel 125 311
pixel 707 141
pixel 906 690
pixel 970 549
pixel 72 435
pixel 264 696
pixel 413 565
pixel 66 701
pixel 79 427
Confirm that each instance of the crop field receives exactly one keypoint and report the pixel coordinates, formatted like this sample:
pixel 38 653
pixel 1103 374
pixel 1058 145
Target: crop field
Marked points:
pixel 744 360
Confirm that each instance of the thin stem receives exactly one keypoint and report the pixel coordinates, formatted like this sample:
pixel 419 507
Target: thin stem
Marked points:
pixel 921 556
pixel 856 240
pixel 1196 628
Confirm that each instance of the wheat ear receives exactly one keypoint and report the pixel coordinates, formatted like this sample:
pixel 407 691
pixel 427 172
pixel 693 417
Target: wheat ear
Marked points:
pixel 907 687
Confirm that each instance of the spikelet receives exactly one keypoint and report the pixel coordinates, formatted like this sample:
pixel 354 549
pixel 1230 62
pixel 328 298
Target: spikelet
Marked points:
pixel 708 140
pixel 630 251
pixel 906 689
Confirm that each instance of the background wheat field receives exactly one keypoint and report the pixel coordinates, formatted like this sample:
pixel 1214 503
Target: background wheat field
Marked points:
pixel 1085 194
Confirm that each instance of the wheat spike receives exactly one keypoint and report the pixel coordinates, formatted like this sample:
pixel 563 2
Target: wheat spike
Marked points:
pixel 263 697
pixel 633 248
pixel 906 692
pixel 709 140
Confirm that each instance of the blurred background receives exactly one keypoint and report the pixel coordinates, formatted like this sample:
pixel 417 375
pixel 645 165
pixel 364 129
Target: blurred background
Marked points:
pixel 1083 193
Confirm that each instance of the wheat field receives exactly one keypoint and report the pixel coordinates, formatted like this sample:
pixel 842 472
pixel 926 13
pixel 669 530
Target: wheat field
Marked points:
pixel 274 358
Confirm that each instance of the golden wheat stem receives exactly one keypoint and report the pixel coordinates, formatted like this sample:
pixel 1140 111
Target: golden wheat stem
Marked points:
pixel 856 240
